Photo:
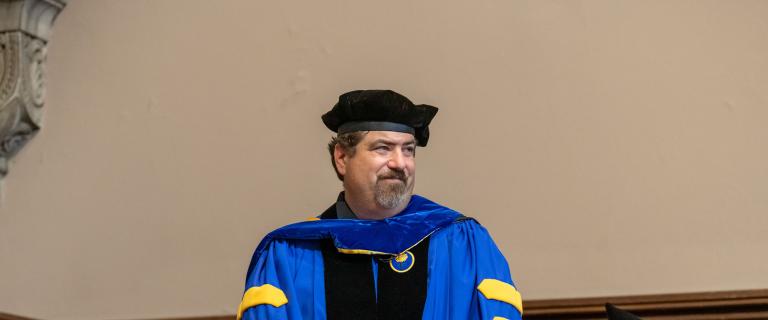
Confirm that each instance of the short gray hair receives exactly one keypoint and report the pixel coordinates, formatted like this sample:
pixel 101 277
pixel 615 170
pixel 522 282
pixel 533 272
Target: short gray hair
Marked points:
pixel 348 142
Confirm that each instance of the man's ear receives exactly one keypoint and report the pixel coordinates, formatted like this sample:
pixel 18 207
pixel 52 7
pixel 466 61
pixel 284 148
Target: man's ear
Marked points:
pixel 340 158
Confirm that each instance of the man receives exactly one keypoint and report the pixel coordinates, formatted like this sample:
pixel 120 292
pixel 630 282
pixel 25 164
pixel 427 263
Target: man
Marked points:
pixel 379 252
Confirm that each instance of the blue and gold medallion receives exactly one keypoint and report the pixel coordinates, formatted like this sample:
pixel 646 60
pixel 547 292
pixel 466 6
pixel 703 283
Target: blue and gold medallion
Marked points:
pixel 403 262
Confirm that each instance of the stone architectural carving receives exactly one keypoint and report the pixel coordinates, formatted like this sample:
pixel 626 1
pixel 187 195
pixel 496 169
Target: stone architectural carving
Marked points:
pixel 25 27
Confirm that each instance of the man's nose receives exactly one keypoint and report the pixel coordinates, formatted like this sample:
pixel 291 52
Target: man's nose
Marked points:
pixel 397 160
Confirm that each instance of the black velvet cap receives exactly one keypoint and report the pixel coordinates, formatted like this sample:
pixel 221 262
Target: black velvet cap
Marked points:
pixel 380 110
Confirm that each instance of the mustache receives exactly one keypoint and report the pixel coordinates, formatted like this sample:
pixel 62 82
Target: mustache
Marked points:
pixel 399 175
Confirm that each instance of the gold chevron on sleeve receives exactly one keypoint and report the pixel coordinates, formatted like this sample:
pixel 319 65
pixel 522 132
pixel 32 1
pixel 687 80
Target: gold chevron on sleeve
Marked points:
pixel 266 294
pixel 501 291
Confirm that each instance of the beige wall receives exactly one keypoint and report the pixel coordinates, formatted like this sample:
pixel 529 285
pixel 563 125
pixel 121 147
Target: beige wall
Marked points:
pixel 611 147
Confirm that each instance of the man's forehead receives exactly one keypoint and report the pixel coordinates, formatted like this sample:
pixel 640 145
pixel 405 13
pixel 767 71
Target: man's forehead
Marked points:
pixel 389 137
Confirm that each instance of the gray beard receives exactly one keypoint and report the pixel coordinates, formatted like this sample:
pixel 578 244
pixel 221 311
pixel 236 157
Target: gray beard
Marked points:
pixel 391 195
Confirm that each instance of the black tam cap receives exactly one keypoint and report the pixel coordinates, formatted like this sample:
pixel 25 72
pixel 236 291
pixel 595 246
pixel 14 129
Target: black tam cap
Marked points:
pixel 380 110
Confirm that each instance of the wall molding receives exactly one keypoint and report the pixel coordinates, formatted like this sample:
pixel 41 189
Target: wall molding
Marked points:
pixel 723 305
pixel 726 305
pixel 8 316
pixel 25 28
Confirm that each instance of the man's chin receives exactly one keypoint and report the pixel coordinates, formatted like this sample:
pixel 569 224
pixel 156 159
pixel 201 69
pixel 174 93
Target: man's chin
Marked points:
pixel 390 198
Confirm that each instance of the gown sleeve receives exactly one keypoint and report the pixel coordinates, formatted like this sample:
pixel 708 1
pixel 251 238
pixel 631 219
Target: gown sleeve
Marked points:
pixel 469 276
pixel 284 281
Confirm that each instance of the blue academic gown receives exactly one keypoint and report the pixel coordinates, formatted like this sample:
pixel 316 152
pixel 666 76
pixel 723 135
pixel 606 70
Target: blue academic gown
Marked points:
pixel 467 275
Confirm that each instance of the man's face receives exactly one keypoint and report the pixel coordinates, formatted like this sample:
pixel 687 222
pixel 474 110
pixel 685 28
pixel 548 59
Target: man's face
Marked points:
pixel 383 168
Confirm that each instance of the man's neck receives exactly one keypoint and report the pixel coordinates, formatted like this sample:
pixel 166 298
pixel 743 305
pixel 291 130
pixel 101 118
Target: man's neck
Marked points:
pixel 370 210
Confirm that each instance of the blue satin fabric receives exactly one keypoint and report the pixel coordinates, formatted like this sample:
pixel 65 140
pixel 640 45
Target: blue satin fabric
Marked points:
pixel 461 255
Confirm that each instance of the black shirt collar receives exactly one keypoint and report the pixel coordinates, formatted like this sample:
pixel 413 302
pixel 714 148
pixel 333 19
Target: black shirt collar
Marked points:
pixel 342 209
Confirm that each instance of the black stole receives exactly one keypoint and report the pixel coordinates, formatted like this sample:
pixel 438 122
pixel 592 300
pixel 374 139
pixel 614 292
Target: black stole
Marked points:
pixel 350 292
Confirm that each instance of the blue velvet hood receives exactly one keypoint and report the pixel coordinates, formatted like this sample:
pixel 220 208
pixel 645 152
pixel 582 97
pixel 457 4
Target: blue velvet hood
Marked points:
pixel 393 235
